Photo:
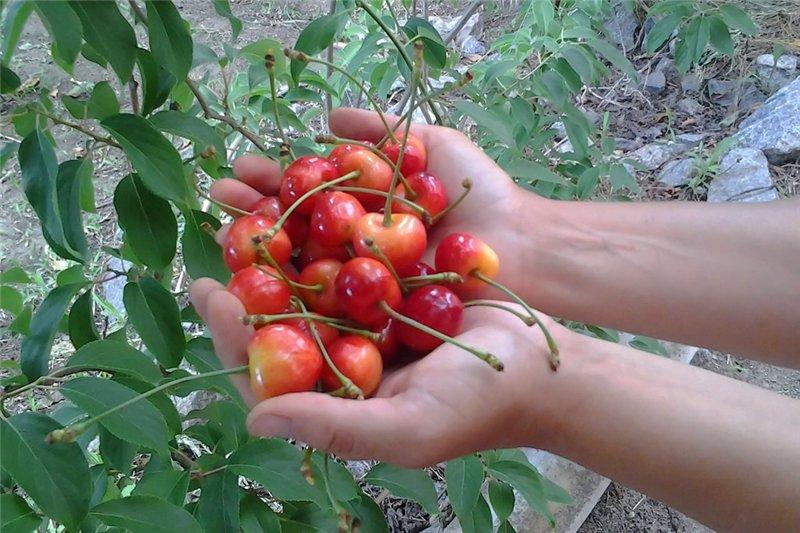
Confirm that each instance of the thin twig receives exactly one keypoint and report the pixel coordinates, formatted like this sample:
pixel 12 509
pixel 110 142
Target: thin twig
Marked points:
pixel 463 20
pixel 78 127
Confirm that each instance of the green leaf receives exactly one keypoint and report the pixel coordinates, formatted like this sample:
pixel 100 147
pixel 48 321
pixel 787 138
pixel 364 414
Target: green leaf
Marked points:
pixel 139 423
pixel 486 119
pixel 228 419
pixel 15 274
pixel 159 400
pixel 648 344
pixel 35 350
pixel 434 52
pixel 168 485
pixel 93 55
pixel 555 493
pixel 150 227
pixel 154 313
pixel 369 515
pixel 9 81
pixel 620 178
pixel 614 56
pixel 257 517
pixel 103 102
pixel 116 452
pixel 501 495
pixel 201 253
pixel 506 527
pixel 157 82
pixel 736 17
pixel 22 323
pixel 170 40
pixel 464 478
pixel 115 357
pixel 223 9
pixel 145 514
pixel 720 36
pixel 196 130
pixel 16 516
pixel 65 30
pixel 527 481
pixel 73 274
pixel 200 353
pixel 81 321
pixel 218 507
pixel 578 60
pixel 55 476
pixel 109 34
pixel 404 483
pixel 155 159
pixel 68 192
pixel 662 31
pixel 532 171
pixel 479 518
pixel 316 37
pixel 257 50
pixel 15 16
pixel 11 300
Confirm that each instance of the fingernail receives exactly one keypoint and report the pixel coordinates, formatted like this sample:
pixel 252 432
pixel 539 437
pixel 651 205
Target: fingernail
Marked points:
pixel 271 426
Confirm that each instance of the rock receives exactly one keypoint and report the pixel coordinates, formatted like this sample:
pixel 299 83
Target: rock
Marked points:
pixel 751 97
pixel 677 173
pixel 622 25
pixel 691 82
pixel 776 74
pixel 626 145
pixel 690 106
pixel 721 92
pixel 467 37
pixel 651 156
pixel 774 128
pixel 667 67
pixel 472 46
pixel 592 116
pixel 743 176
pixel 693 140
pixel 655 82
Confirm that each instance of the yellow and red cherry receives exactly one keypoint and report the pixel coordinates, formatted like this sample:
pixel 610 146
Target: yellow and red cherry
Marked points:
pixel 314 251
pixel 262 292
pixel 375 173
pixel 358 359
pixel 436 307
pixel 431 194
pixel 240 251
pixel 327 333
pixel 304 174
pixel 419 269
pixel 336 155
pixel 334 218
pixel 361 285
pixel 387 343
pixel 296 226
pixel 465 255
pixel 322 274
pixel 402 243
pixel 415 156
pixel 282 359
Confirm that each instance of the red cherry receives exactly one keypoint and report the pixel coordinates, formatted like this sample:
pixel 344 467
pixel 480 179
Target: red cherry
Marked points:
pixel 420 269
pixel 463 253
pixel 334 218
pixel 322 272
pixel 435 306
pixel 431 194
pixel 327 333
pixel 361 285
pixel 375 174
pixel 282 360
pixel 388 345
pixel 358 359
pixel 301 176
pixel 295 226
pixel 415 158
pixel 313 251
pixel 239 249
pixel 403 243
pixel 336 155
pixel 260 292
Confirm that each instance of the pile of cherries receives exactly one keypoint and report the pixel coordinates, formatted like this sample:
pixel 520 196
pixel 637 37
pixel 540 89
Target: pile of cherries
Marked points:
pixel 335 285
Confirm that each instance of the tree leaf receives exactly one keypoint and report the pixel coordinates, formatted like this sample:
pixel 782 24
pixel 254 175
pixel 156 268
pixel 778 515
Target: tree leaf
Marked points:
pixel 9 81
pixel 201 253
pixel 223 9
pixel 15 16
pixel 200 353
pixel 434 52
pixel 736 17
pixel 227 418
pixel 405 483
pixel 170 40
pixel 151 154
pixel 501 495
pixel 488 120
pixel 159 400
pixel 139 423
pixel 150 227
pixel 35 350
pixel 196 130
pixel 115 357
pixel 720 36
pixel 55 476
pixel 108 33
pixel 256 516
pixel 218 507
pixel 169 485
pixel 103 102
pixel 68 192
pixel 662 30
pixel 316 37
pixel 527 481
pixel 81 321
pixel 154 313
pixel 464 478
pixel 369 515
pixel 479 518
pixel 157 82
pixel 65 31
pixel 15 274
pixel 145 514
pixel 116 452
pixel 614 56
pixel 11 300
pixel 16 516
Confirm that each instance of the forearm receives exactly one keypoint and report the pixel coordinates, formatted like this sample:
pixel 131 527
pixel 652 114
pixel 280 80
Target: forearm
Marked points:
pixel 721 276
pixel 720 450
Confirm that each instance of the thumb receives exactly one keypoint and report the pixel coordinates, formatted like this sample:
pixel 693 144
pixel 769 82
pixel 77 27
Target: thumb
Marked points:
pixel 377 428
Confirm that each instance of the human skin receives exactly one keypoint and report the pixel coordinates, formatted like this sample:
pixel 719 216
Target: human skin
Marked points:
pixel 726 277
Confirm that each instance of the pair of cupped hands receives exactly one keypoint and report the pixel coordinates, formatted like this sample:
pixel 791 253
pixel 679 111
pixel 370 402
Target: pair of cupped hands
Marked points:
pixel 447 404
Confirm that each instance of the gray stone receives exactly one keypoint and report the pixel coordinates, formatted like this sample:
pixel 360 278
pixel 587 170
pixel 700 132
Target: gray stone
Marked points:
pixel 785 62
pixel 751 97
pixel 667 66
pixel 691 139
pixel 774 128
pixel 622 25
pixel 691 82
pixel 655 82
pixel 776 74
pixel 467 37
pixel 651 156
pixel 690 106
pixel 743 176
pixel 721 91
pixel 677 173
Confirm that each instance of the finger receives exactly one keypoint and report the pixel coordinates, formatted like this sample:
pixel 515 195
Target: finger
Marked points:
pixel 232 192
pixel 199 292
pixel 378 428
pixel 222 233
pixel 261 173
pixel 363 125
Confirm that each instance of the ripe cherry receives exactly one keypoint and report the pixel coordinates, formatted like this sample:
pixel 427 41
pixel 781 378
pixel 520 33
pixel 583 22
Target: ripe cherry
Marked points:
pixel 282 359
pixel 463 253
pixel 261 291
pixel 375 174
pixel 327 333
pixel 239 249
pixel 313 251
pixel 301 176
pixel 334 217
pixel 296 226
pixel 358 359
pixel 388 345
pixel 419 269
pixel 435 306
pixel 415 158
pixel 431 194
pixel 361 285
pixel 322 272
pixel 402 243
pixel 336 155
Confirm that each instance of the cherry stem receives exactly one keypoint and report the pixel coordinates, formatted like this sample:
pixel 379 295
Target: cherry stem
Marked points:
pixel 71 432
pixel 306 466
pixel 467 186
pixel 378 253
pixel 300 56
pixel 526 319
pixel 421 211
pixel 371 335
pixel 222 205
pixel 263 252
pixel 269 61
pixel 551 343
pixel 485 356
pixel 249 320
pixel 440 277
pixel 319 287
pixel 208 228
pixel 348 389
